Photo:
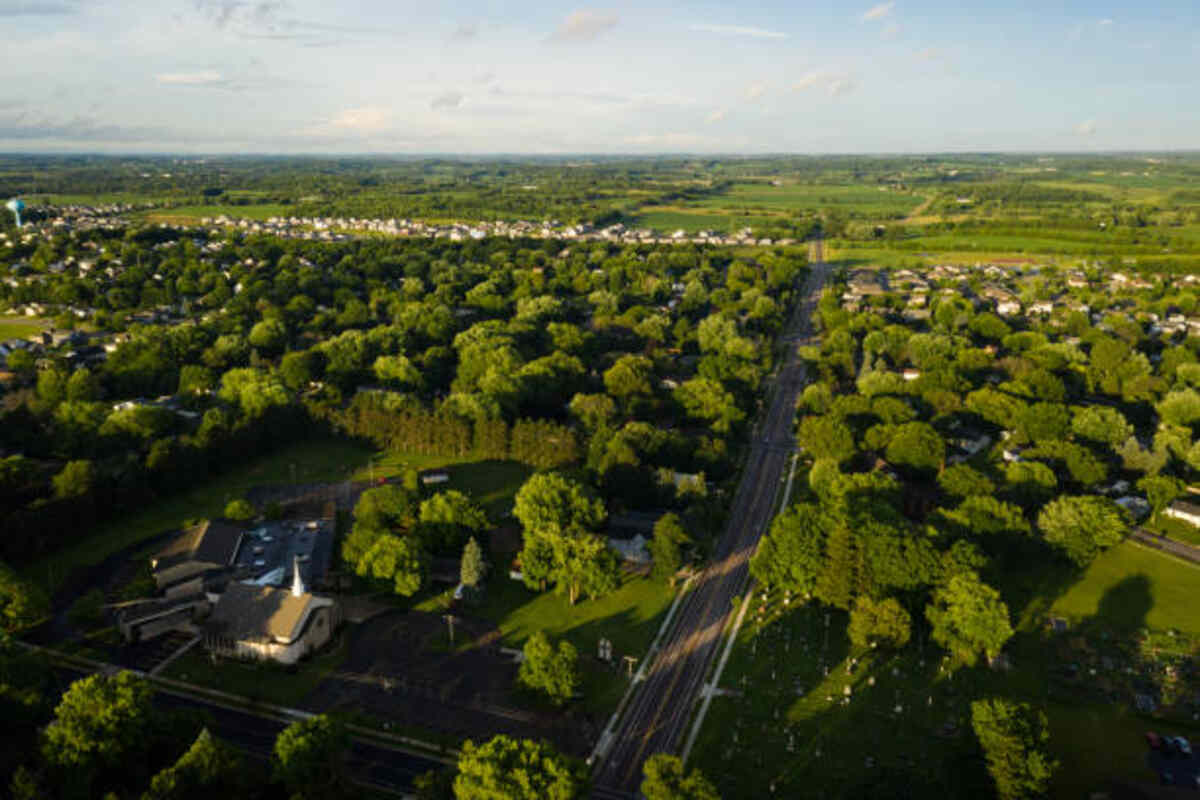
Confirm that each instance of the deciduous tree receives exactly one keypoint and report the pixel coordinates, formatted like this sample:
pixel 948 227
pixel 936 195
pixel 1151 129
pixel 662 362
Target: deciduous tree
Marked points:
pixel 1082 527
pixel 309 758
pixel 969 618
pixel 99 722
pixel 1015 740
pixel 883 622
pixel 664 779
pixel 554 671
pixel 504 768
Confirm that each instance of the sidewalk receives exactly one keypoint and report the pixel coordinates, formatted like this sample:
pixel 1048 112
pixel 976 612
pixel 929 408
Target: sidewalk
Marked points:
pixel 1184 551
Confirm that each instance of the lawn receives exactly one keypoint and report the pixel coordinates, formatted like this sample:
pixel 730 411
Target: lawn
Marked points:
pixel 305 462
pixel 1170 582
pixel 193 214
pixel 1098 744
pixel 493 484
pixel 793 725
pixel 20 327
pixel 1175 529
pixel 259 681
pixel 629 617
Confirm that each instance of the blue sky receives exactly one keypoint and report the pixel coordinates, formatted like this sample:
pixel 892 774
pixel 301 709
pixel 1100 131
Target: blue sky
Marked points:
pixel 487 76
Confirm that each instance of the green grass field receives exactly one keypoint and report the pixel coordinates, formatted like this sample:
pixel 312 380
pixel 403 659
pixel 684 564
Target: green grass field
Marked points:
pixel 866 200
pixel 492 484
pixel 259 681
pixel 1172 585
pixel 791 724
pixel 629 617
pixel 193 214
pixel 305 462
pixel 20 327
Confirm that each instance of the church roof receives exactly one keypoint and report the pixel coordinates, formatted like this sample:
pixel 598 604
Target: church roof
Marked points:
pixel 246 612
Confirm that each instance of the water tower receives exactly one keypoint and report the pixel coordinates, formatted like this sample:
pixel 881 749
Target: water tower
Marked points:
pixel 16 206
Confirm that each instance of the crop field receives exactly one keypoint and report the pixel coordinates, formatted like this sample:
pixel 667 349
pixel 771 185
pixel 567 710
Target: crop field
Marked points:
pixel 865 200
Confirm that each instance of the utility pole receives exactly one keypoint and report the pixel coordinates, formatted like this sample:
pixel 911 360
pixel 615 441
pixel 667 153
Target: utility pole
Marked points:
pixel 629 662
pixel 450 620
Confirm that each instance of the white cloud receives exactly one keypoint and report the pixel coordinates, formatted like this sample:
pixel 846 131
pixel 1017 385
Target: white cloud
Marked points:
pixel 835 84
pixel 206 77
pixel 877 12
pixel 928 54
pixel 717 116
pixel 1106 22
pixel 1086 128
pixel 755 90
pixel 892 31
pixel 447 100
pixel 808 81
pixel 738 30
pixel 21 8
pixel 365 120
pixel 584 25
pixel 839 87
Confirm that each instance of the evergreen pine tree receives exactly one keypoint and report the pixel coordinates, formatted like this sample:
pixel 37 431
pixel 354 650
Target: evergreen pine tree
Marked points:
pixel 474 568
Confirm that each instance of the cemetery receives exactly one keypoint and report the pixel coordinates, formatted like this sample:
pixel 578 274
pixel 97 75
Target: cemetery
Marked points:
pixel 799 707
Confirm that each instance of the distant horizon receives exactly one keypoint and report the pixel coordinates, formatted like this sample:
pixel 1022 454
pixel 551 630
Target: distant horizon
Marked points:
pixel 370 77
pixel 614 156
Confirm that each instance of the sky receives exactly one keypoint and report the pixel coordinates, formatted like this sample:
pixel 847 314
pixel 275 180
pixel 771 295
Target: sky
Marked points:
pixel 498 76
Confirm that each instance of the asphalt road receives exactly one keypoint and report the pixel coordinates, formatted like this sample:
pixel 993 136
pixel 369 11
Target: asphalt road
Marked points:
pixel 658 713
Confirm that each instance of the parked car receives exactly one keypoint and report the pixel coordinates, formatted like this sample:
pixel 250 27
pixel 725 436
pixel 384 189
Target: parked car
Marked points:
pixel 1183 746
pixel 1154 740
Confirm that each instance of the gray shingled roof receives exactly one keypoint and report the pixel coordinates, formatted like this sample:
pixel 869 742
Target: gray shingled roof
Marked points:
pixel 248 613
pixel 210 542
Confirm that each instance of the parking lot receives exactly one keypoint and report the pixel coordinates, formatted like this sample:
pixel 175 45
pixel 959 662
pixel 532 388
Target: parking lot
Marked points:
pixel 1175 768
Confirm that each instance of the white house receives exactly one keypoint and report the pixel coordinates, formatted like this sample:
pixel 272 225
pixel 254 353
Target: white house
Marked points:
pixel 264 623
pixel 1182 509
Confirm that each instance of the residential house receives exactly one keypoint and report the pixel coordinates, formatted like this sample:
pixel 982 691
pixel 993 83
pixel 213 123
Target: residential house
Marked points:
pixel 1184 510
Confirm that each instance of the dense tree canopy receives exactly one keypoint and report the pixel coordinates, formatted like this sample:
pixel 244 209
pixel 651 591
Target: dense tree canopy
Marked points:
pixel 968 618
pixel 1082 526
pixel 504 768
pixel 1014 738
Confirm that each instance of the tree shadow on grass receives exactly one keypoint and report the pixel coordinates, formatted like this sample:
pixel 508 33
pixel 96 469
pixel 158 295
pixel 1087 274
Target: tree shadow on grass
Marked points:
pixel 1125 605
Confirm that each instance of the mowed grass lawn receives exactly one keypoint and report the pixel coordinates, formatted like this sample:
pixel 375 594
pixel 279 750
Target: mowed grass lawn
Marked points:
pixel 20 327
pixel 629 617
pixel 305 462
pixel 259 680
pixel 192 214
pixel 1172 584
pixel 492 483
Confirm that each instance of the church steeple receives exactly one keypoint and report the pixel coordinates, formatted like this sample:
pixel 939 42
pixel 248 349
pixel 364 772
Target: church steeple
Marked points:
pixel 298 589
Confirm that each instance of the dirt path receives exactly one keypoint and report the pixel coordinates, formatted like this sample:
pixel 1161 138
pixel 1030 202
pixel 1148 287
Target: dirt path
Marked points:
pixel 917 212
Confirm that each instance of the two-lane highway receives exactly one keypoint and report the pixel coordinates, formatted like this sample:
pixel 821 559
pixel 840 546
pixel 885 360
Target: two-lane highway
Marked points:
pixel 659 710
